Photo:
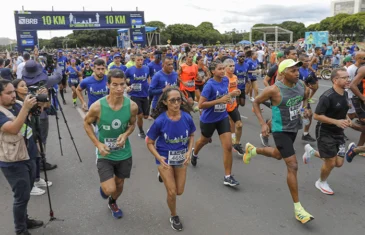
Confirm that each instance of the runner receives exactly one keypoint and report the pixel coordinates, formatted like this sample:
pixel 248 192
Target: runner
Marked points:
pixel 87 71
pixel 314 66
pixel 188 72
pixel 203 76
pixel 232 107
pixel 62 63
pixel 74 76
pixel 138 79
pixel 115 116
pixel 170 139
pixel 286 98
pixel 331 114
pixel 162 80
pixel 252 71
pixel 213 102
pixel 154 67
pixel 117 64
pixel 240 70
pixel 95 85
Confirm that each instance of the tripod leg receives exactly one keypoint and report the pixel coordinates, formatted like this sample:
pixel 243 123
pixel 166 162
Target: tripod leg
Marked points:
pixel 55 99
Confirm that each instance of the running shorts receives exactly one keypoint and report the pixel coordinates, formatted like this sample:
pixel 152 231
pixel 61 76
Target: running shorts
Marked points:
pixel 330 145
pixel 222 126
pixel 284 142
pixel 143 105
pixel 235 115
pixel 107 169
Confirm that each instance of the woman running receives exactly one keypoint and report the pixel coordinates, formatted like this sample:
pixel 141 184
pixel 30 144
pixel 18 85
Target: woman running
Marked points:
pixel 252 64
pixel 203 75
pixel 170 139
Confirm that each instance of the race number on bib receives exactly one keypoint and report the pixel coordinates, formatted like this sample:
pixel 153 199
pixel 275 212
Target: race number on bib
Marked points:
pixel 294 112
pixel 176 157
pixel 112 144
pixel 191 83
pixel 219 108
pixel 74 81
pixel 137 86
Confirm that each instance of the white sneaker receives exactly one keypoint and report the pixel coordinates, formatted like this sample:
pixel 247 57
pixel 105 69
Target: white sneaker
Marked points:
pixel 37 191
pixel 252 99
pixel 324 187
pixel 308 152
pixel 42 183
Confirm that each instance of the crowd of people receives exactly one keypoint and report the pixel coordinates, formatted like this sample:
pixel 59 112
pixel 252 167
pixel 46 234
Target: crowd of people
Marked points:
pixel 170 85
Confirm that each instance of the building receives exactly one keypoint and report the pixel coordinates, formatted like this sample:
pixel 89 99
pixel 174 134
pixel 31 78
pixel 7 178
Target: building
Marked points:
pixel 347 6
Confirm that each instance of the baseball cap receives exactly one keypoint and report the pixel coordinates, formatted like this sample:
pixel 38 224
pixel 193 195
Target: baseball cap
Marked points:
pixel 241 54
pixel 288 63
pixel 116 55
pixel 59 51
pixel 280 54
pixel 347 59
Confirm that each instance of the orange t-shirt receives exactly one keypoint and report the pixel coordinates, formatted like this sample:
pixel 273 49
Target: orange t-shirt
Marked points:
pixel 233 82
pixel 188 75
pixel 273 58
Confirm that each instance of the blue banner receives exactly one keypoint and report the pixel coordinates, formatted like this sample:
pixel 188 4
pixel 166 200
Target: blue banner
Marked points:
pixel 27 40
pixel 316 38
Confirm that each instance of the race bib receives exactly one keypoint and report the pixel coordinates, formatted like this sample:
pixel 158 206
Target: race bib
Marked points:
pixel 176 157
pixel 241 81
pixel 191 83
pixel 111 143
pixel 294 112
pixel 29 131
pixel 219 108
pixel 74 80
pixel 137 87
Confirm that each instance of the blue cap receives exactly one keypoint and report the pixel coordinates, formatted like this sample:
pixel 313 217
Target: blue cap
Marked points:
pixel 116 55
pixel 59 51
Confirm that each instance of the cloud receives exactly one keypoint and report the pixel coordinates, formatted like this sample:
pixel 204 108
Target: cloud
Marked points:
pixel 198 7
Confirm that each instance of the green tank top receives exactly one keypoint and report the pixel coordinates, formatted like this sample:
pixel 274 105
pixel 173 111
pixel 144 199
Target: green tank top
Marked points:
pixel 112 124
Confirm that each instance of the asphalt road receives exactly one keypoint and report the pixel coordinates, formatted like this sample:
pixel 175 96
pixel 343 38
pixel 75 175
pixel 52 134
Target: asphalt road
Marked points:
pixel 260 205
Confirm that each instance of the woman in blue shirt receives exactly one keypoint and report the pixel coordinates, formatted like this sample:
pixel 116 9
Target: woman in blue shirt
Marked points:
pixel 213 101
pixel 74 77
pixel 170 139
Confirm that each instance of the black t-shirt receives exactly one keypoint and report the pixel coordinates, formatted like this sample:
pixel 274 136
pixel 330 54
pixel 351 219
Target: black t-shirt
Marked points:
pixel 332 105
pixel 272 73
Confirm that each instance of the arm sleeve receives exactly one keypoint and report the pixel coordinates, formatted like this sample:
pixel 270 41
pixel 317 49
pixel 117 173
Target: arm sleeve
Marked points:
pixel 322 106
pixel 153 90
pixel 154 131
pixel 83 84
pixel 206 91
pixel 191 125
pixel 3 119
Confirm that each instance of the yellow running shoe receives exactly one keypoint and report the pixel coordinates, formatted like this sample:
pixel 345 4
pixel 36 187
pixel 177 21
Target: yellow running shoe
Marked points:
pixel 303 216
pixel 249 153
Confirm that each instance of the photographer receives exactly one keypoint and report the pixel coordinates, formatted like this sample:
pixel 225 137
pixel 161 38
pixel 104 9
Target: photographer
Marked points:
pixel 17 165
pixel 34 76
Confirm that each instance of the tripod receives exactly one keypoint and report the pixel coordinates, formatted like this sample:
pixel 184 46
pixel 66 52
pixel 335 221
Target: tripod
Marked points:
pixel 55 99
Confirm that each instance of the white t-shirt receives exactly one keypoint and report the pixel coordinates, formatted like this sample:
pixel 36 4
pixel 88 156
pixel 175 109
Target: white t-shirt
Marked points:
pixel 351 71
pixel 260 56
pixel 19 70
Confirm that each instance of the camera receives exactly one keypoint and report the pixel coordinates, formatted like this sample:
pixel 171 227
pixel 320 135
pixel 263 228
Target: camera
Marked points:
pixel 39 97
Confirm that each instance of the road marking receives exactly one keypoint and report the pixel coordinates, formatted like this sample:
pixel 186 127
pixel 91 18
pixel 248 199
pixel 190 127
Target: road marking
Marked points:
pixel 82 114
pixel 244 117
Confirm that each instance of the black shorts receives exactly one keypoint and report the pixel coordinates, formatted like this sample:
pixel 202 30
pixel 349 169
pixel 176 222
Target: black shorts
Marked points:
pixel 235 115
pixel 221 126
pixel 284 143
pixel 107 169
pixel 189 94
pixel 261 65
pixel 70 84
pixel 359 108
pixel 143 105
pixel 243 94
pixel 64 80
pixel 311 79
pixel 330 145
pixel 199 87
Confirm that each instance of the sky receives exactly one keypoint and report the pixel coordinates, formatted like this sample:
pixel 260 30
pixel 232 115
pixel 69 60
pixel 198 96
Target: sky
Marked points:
pixel 225 15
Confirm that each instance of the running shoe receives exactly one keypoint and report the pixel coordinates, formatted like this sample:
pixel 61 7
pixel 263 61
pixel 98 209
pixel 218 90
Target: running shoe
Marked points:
pixel 248 153
pixel 324 187
pixel 311 101
pixel 193 159
pixel 64 102
pixel 175 223
pixel 308 138
pixel 142 135
pixel 239 149
pixel 42 183
pixel 37 191
pixel 303 216
pixel 230 181
pixel 252 99
pixel 350 153
pixel 308 153
pixel 159 177
pixel 116 212
pixel 264 140
pixel 75 105
pixel 102 194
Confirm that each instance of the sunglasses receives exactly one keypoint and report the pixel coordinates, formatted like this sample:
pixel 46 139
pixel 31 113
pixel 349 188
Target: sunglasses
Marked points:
pixel 174 101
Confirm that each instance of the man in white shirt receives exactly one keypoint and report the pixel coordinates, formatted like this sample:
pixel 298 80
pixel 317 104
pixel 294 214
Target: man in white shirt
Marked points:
pixel 20 67
pixel 260 58
pixel 351 70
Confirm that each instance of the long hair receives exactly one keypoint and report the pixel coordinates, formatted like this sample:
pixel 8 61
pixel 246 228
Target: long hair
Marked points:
pixel 161 107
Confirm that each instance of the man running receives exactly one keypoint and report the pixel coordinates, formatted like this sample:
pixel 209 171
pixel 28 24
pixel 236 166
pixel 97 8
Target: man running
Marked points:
pixel 115 116
pixel 314 65
pixel 62 63
pixel 74 76
pixel 95 85
pixel 240 70
pixel 286 98
pixel 117 63
pixel 331 114
pixel 138 78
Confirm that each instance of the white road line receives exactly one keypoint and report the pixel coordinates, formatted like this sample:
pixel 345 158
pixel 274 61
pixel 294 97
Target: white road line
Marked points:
pixel 244 117
pixel 82 114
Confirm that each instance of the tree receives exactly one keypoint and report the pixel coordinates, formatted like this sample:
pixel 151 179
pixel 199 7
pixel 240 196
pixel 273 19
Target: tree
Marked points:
pixel 160 25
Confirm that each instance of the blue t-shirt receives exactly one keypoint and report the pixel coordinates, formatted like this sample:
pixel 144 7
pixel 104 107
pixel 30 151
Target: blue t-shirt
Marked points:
pixel 31 147
pixel 252 66
pixel 95 89
pixel 159 81
pixel 146 61
pixel 303 73
pixel 121 67
pixel 154 68
pixel 240 70
pixel 73 77
pixel 209 59
pixel 171 136
pixel 62 62
pixel 138 80
pixel 214 90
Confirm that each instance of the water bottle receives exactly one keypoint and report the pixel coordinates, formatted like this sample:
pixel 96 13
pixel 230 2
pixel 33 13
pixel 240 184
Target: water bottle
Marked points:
pixel 305 120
